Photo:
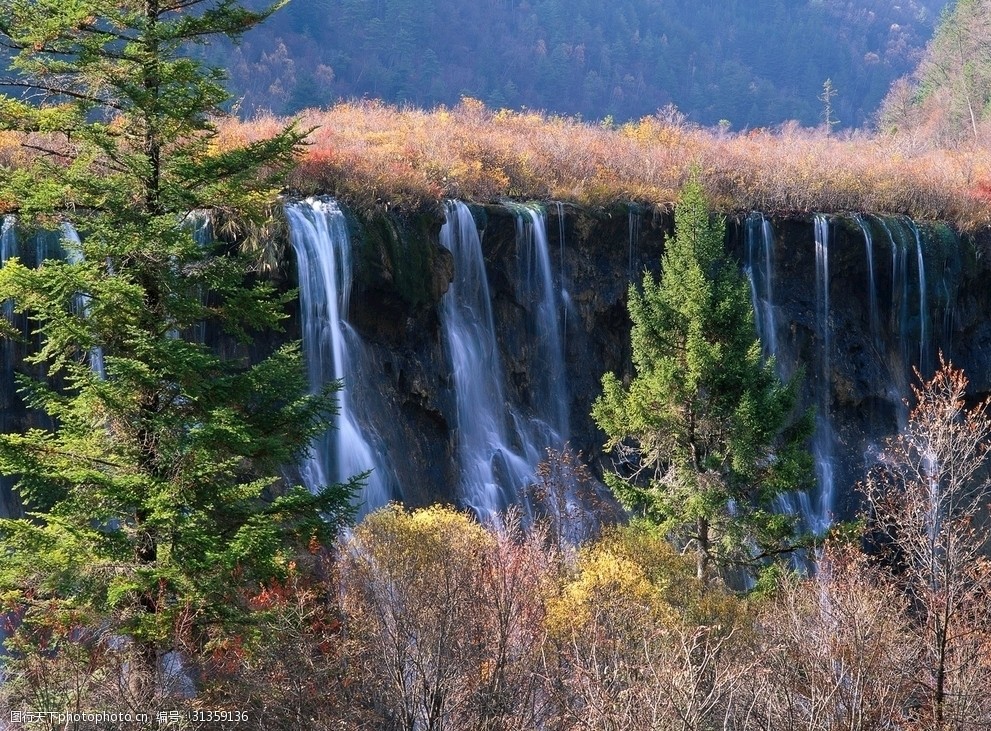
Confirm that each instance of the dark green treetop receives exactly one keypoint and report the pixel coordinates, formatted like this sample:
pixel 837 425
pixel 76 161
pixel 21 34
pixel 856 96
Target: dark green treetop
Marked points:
pixel 155 499
pixel 704 433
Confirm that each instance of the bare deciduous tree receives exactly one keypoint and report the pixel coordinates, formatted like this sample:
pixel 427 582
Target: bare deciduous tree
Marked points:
pixel 569 500
pixel 835 652
pixel 925 497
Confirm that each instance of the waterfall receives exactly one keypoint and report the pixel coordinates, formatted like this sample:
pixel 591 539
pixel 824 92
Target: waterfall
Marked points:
pixel 47 244
pixel 767 246
pixel 74 255
pixel 493 475
pixel 759 268
pixel 822 441
pixel 925 364
pixel 899 299
pixel 550 393
pixel 872 309
pixel 200 225
pixel 563 291
pixel 500 443
pixel 319 237
pixel 902 234
pixel 634 219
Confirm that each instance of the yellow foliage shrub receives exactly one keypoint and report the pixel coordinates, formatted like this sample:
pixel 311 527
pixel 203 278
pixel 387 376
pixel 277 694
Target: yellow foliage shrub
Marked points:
pixel 643 643
pixel 635 565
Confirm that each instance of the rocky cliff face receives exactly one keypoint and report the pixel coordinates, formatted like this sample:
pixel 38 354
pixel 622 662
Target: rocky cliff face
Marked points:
pixel 410 400
pixel 899 294
pixel 923 291
pixel 854 313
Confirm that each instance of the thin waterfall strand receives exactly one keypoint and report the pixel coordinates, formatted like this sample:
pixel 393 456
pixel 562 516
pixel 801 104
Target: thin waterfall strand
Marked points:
pixel 759 269
pixel 550 386
pixel 925 366
pixel 823 438
pixel 872 309
pixel 563 290
pixel 633 224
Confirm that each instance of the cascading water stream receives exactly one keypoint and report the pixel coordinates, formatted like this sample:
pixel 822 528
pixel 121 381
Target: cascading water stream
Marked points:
pixel 499 445
pixel 550 393
pixel 563 291
pixel 634 219
pixel 822 441
pixel 925 364
pixel 878 352
pixel 200 224
pixel 319 237
pixel 42 245
pixel 493 474
pixel 767 246
pixel 872 310
pixel 759 270
pixel 899 299
pixel 911 327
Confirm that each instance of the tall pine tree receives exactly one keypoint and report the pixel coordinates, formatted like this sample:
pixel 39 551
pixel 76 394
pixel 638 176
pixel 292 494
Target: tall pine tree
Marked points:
pixel 154 501
pixel 704 432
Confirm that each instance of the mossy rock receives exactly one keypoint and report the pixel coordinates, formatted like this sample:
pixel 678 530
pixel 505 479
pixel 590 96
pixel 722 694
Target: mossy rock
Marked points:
pixel 400 269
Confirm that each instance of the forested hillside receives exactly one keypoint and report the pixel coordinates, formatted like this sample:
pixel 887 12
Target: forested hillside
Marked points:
pixel 948 99
pixel 751 62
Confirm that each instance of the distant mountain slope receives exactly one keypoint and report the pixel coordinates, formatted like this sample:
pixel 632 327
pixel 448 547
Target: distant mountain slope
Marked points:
pixel 752 62
pixel 948 99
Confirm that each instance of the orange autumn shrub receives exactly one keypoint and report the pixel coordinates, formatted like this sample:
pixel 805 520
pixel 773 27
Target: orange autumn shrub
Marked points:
pixel 369 152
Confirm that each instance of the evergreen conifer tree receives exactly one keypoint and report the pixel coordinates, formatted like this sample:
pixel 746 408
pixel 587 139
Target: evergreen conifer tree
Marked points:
pixel 704 431
pixel 154 500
